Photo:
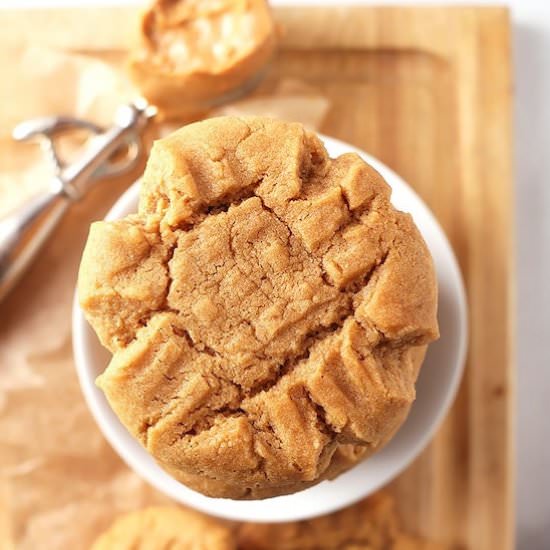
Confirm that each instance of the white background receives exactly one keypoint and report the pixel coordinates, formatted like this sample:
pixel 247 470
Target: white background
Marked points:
pixel 531 34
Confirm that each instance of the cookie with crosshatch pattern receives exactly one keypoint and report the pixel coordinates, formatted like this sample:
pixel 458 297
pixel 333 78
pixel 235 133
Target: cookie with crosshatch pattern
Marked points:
pixel 267 308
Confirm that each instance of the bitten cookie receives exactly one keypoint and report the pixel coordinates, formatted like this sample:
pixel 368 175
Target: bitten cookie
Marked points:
pixel 165 528
pixel 267 308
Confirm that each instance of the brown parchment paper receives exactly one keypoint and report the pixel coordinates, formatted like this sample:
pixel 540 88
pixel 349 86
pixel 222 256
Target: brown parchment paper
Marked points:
pixel 60 482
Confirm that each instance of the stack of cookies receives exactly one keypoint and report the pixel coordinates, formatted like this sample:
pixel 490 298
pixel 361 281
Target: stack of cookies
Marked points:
pixel 268 311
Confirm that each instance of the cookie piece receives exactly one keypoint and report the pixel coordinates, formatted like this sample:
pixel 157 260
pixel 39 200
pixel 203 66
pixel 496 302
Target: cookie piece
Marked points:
pixel 192 53
pixel 267 308
pixel 409 542
pixel 163 528
pixel 372 524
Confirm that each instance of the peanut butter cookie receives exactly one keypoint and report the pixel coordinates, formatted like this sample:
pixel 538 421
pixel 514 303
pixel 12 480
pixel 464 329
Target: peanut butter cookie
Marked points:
pixel 372 524
pixel 267 308
pixel 166 528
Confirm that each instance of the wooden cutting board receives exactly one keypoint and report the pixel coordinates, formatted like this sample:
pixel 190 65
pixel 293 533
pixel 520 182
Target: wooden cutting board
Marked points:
pixel 428 91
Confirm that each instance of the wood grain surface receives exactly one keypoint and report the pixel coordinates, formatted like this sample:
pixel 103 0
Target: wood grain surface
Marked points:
pixel 428 91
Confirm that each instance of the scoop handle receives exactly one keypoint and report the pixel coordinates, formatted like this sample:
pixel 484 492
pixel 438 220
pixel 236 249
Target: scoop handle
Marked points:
pixel 25 230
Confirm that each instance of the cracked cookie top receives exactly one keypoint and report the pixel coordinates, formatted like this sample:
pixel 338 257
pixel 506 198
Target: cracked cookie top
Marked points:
pixel 267 308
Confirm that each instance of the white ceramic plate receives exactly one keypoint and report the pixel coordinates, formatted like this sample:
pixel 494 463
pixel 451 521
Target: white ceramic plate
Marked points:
pixel 436 388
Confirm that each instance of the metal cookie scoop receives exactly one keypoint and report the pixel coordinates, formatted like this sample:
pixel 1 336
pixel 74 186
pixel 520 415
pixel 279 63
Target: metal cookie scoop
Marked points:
pixel 24 231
